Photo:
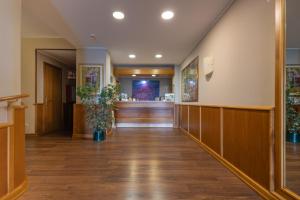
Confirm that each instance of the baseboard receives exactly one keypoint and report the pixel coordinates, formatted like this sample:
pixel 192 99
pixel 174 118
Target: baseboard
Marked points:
pixel 16 193
pixel 263 192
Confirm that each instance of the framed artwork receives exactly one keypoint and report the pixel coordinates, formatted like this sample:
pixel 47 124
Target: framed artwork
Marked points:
pixel 92 75
pixel 145 89
pixel 189 82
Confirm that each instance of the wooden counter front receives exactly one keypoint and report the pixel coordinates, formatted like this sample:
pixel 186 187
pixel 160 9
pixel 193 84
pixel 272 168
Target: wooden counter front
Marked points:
pixel 144 114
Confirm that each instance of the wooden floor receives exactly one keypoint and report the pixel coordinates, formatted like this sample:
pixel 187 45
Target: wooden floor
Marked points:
pixel 132 164
pixel 293 167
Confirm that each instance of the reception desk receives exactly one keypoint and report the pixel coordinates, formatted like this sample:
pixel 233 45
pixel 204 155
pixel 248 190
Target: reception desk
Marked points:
pixel 144 114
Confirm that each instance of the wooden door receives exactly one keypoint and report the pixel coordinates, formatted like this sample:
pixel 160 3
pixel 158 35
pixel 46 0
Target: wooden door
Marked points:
pixel 52 98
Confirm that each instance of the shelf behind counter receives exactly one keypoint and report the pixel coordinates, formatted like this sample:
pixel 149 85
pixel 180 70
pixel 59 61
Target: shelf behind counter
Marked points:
pixel 144 114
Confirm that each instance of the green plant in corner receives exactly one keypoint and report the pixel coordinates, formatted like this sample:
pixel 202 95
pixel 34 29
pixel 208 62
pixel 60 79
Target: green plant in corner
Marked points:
pixel 99 107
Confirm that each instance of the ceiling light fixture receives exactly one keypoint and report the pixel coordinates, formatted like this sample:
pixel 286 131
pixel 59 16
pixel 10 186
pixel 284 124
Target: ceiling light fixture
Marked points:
pixel 132 56
pixel 133 75
pixel 118 15
pixel 153 75
pixel 158 56
pixel 167 15
pixel 93 36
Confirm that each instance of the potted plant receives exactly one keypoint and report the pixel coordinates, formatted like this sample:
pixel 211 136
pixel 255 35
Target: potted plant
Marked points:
pixel 99 108
pixel 292 119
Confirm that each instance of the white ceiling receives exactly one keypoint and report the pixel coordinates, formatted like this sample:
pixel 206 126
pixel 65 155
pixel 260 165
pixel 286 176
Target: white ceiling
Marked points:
pixel 142 32
pixel 67 57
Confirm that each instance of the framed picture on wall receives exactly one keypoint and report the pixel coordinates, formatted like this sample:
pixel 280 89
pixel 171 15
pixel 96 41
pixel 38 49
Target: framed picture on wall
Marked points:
pixel 189 82
pixel 92 75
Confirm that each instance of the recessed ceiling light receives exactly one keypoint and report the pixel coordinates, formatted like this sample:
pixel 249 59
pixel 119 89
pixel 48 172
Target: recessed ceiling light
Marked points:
pixel 154 75
pixel 132 56
pixel 93 36
pixel 133 75
pixel 158 56
pixel 118 15
pixel 167 15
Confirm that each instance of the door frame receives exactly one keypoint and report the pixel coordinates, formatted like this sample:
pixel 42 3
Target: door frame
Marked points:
pixel 280 23
pixel 35 84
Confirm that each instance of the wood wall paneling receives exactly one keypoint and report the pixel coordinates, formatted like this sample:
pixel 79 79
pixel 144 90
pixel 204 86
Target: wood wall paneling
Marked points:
pixel 247 142
pixel 80 129
pixel 145 112
pixel 241 138
pixel 184 116
pixel 3 161
pixel 194 121
pixel 211 127
pixel 39 118
pixel 19 147
pixel 13 181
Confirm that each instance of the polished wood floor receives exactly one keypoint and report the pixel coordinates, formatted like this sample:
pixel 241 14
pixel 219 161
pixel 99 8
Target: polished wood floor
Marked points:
pixel 293 167
pixel 132 164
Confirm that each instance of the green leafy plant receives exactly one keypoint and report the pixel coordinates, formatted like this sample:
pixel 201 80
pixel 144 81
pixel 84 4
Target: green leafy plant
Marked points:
pixel 99 106
pixel 292 116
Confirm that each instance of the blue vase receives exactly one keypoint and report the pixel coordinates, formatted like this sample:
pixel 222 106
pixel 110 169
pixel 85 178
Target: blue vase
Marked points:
pixel 293 137
pixel 99 135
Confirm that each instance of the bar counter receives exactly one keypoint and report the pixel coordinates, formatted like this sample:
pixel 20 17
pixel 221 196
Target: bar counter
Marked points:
pixel 144 114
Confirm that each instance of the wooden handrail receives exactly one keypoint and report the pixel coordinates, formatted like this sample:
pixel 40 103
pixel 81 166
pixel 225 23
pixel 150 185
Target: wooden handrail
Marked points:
pixel 14 97
pixel 5 125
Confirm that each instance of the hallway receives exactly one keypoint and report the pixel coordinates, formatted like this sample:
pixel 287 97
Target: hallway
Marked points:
pixel 131 164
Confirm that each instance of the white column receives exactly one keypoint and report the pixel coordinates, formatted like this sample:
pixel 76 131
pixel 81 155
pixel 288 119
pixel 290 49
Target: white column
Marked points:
pixel 10 51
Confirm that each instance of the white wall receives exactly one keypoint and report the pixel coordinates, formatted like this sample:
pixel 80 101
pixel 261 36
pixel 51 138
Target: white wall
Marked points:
pixel 29 45
pixel 108 69
pixel 10 51
pixel 293 56
pixel 243 46
pixel 176 81
pixel 165 85
pixel 92 55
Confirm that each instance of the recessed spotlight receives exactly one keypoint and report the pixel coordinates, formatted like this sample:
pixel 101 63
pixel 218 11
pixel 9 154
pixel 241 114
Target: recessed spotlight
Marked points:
pixel 158 56
pixel 167 15
pixel 118 15
pixel 132 56
pixel 93 36
pixel 154 75
pixel 133 75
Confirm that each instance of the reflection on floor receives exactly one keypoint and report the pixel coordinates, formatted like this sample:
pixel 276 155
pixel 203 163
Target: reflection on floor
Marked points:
pixel 133 164
pixel 293 167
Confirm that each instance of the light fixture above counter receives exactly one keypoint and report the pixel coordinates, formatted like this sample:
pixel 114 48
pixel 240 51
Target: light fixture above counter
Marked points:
pixel 142 71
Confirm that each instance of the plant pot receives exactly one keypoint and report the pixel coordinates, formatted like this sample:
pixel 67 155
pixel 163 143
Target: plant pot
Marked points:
pixel 293 137
pixel 99 135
